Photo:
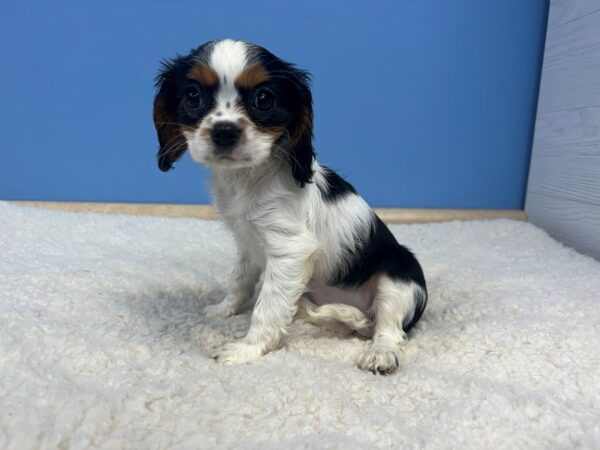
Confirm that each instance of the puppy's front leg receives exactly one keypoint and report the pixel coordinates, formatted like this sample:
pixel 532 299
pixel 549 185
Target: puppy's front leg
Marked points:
pixel 288 268
pixel 241 287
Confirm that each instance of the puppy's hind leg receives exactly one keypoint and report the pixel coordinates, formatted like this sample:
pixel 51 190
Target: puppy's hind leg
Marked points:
pixel 396 306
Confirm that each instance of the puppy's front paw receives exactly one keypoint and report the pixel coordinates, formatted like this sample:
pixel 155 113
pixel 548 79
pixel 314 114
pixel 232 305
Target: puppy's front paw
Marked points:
pixel 221 310
pixel 378 359
pixel 239 352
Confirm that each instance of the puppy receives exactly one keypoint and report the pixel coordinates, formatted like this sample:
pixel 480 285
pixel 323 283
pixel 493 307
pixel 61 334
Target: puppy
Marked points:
pixel 323 253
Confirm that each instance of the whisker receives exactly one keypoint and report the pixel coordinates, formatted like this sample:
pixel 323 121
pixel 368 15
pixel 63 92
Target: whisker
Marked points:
pixel 174 149
pixel 174 138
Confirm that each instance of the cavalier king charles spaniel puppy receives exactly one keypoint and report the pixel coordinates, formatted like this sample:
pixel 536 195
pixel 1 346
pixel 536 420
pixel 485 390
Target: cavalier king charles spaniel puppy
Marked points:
pixel 323 254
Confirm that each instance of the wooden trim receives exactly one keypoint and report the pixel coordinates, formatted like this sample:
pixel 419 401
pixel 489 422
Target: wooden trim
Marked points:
pixel 407 215
pixel 389 215
pixel 134 209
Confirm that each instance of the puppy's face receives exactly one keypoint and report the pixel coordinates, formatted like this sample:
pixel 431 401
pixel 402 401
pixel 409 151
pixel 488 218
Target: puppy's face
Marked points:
pixel 234 105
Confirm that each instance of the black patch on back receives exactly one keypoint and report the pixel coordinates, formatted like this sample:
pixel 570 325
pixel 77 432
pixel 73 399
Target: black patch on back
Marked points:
pixel 336 187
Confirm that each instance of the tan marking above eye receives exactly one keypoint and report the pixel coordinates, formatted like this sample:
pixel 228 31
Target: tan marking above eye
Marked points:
pixel 203 74
pixel 252 76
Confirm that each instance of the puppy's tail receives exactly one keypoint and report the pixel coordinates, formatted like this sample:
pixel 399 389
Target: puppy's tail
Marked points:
pixel 332 315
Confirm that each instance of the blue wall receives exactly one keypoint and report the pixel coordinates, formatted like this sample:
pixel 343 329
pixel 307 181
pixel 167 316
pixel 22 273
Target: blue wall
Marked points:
pixel 419 103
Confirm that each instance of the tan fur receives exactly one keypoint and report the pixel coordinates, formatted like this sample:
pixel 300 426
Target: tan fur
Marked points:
pixel 203 74
pixel 252 76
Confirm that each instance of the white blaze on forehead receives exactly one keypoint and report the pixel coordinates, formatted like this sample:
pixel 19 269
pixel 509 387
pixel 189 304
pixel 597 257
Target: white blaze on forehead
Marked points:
pixel 228 59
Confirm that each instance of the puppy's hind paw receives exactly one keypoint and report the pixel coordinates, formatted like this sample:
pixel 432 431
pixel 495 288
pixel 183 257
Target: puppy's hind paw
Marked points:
pixel 239 352
pixel 379 360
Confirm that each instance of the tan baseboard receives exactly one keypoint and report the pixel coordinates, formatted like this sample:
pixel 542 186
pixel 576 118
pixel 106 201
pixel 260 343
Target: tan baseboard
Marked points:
pixel 422 215
pixel 389 215
pixel 134 209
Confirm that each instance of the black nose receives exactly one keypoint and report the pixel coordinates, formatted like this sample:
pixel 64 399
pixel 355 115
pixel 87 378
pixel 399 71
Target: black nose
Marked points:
pixel 225 134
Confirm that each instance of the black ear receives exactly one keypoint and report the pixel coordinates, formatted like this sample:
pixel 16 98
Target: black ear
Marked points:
pixel 302 155
pixel 172 143
pixel 302 152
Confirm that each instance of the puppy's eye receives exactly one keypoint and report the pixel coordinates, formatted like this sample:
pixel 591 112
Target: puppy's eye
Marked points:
pixel 191 97
pixel 264 99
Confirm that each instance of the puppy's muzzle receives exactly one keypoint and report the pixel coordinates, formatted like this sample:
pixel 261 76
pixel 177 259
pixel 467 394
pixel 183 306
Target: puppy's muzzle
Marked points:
pixel 225 135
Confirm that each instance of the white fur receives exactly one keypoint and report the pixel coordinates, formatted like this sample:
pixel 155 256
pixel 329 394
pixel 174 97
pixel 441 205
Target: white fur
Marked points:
pixel 292 235
pixel 228 59
pixel 267 214
pixel 394 302
pixel 333 314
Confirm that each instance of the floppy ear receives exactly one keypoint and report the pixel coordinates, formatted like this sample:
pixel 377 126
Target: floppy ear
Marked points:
pixel 302 152
pixel 172 143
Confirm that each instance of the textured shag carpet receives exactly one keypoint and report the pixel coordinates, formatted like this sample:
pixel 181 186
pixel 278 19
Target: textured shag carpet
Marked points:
pixel 103 344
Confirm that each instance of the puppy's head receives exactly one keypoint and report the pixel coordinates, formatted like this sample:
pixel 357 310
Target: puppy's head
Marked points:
pixel 233 105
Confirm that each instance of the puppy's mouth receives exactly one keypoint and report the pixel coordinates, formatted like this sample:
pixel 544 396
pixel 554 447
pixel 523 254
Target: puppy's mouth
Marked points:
pixel 230 158
pixel 224 158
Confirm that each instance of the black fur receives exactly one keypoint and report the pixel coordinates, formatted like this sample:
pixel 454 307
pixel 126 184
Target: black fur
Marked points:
pixel 301 157
pixel 379 253
pixel 337 187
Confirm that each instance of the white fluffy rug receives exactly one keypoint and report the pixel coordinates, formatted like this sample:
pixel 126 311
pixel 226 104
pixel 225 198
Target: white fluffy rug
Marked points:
pixel 102 344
